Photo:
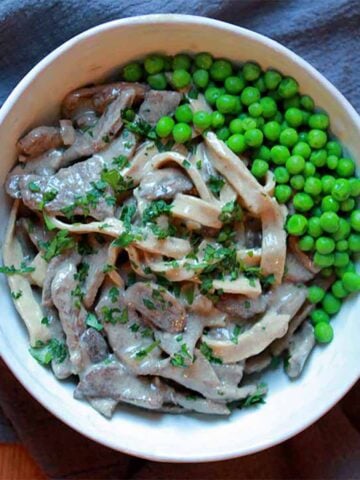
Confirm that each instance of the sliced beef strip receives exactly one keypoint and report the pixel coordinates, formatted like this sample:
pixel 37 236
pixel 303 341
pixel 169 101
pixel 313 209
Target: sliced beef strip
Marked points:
pixel 53 266
pixel 295 271
pixel 157 305
pixel 300 347
pixel 95 275
pixel 70 183
pixel 36 231
pixel 158 103
pixel 241 306
pixel 39 140
pixel 164 183
pixel 93 344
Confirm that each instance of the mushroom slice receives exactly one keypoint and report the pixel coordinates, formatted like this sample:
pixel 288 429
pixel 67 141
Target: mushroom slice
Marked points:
pixel 300 347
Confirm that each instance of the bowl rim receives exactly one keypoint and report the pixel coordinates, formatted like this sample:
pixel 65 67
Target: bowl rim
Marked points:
pixel 21 372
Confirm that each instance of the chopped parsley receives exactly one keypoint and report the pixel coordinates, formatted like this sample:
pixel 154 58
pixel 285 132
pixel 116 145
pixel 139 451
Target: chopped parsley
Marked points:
pixel 116 181
pixel 199 164
pixel 256 398
pixel 149 304
pixel 108 268
pixel 34 187
pixel 216 184
pixel 121 161
pixel 208 354
pixel 234 337
pixel 17 295
pixel 145 351
pixel 48 222
pixel 125 239
pixel 111 315
pixel 114 294
pixel 189 293
pixel 45 321
pixel 93 322
pixel 155 209
pixel 186 164
pixel 11 270
pixel 142 128
pixel 44 353
pixel 127 214
pixel 134 327
pixel 231 212
pixel 62 241
pixel 47 197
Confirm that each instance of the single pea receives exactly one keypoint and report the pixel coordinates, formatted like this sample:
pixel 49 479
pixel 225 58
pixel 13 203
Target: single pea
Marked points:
pixel 202 120
pixel 329 222
pixel 181 61
pixel 313 186
pixel 309 170
pixel 307 103
pixel 157 81
pixel 331 304
pixel 319 121
pixel 302 149
pixel 236 126
pixel 218 119
pixel 272 130
pixel 295 164
pixel 334 148
pixel 340 271
pixel 315 294
pixel 251 71
pixel 183 113
pixel 292 102
pixel 164 126
pixel 317 138
pixel 329 204
pixel 154 64
pixel 180 78
pixel 272 79
pixel 347 205
pixel 323 261
pixel 254 137
pixel 318 158
pixel 236 143
pixel 249 95
pixel 351 281
pixel 306 243
pixel 260 84
pixel 288 87
pixel 132 72
pixel 201 78
pixel 212 94
pixel 223 133
pixel 255 109
pixel 343 231
pixel 294 117
pixel 182 132
pixel 325 245
pixel 354 242
pixel 341 259
pixel 225 103
pixel 296 224
pixel 319 315
pixel 328 182
pixel 281 175
pixel 237 106
pixel 355 220
pixel 259 168
pixel 279 154
pixel 338 289
pixel 297 182
pixel 323 332
pixel 314 227
pixel 332 162
pixel 341 189
pixel 203 60
pixel 248 123
pixel 264 153
pixel 220 70
pixel 354 186
pixel 346 167
pixel 288 137
pixel 282 193
pixel 342 246
pixel 303 202
pixel 234 85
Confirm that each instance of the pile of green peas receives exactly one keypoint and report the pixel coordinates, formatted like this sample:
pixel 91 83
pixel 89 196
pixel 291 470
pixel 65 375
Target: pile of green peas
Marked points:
pixel 263 114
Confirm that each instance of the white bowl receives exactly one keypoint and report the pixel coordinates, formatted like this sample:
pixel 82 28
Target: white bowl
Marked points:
pixel 291 406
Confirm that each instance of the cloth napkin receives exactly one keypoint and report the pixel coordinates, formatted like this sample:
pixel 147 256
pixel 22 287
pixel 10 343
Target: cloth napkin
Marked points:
pixel 325 33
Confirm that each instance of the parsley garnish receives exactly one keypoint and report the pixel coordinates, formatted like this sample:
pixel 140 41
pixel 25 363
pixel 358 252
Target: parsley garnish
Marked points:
pixel 149 304
pixel 145 351
pixel 186 164
pixel 110 315
pixel 44 353
pixel 45 321
pixel 216 184
pixel 11 270
pixel 121 161
pixel 231 212
pixel 34 187
pixel 155 209
pixel 256 398
pixel 208 354
pixel 134 327
pixel 127 214
pixel 93 322
pixel 235 334
pixel 114 294
pixel 189 293
pixel 57 245
pixel 16 295
pixel 125 239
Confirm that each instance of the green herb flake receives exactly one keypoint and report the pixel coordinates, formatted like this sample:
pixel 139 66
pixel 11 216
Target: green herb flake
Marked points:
pixel 235 334
pixel 17 295
pixel 114 294
pixel 186 164
pixel 34 187
pixel 134 327
pixel 121 161
pixel 145 351
pixel 61 242
pixel 44 353
pixel 208 354
pixel 149 304
pixel 45 321
pixel 11 270
pixel 216 184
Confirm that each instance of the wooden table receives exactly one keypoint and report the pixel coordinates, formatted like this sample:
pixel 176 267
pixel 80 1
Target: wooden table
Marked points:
pixel 16 464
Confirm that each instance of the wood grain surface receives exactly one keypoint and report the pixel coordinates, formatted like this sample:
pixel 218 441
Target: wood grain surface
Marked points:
pixel 16 464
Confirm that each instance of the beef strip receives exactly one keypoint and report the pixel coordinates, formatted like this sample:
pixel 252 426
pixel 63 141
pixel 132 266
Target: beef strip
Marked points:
pixel 93 344
pixel 300 347
pixel 39 140
pixel 158 103
pixel 164 183
pixel 95 275
pixel 241 306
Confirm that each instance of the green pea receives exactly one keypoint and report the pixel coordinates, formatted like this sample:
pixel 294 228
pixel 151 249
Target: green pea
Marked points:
pixel 341 259
pixel 323 261
pixel 346 167
pixel 317 138
pixel 249 95
pixel 323 332
pixel 212 94
pixel 259 168
pixel 302 149
pixel 329 222
pixel 329 204
pixel 318 315
pixel 236 143
pixel 354 242
pixel 184 114
pixel 307 103
pixel 201 78
pixel 181 61
pixel 269 108
pixel 217 119
pixel 303 202
pixel 234 84
pixel 319 121
pixel 294 117
pixel 295 164
pixel 343 231
pixel 340 271
pixel 355 220
pixel 251 71
pixel 341 189
pixel 264 153
pixel 164 126
pixel 297 182
pixel 157 81
pixel 315 294
pixel 331 304
pixel 334 148
pixel 296 224
pixel 328 182
pixel 288 137
pixel 132 72
pixel 220 70
pixel 181 78
pixel 272 79
pixel 255 109
pixel 347 205
pixel 282 193
pixel 226 103
pixel 203 60
pixel 223 133
pixel 318 158
pixel 351 282
pixel 342 245
pixel 254 137
pixel 288 87
pixel 182 132
pixel 338 289
pixel 306 243
pixel 313 186
pixel 154 64
pixel 314 227
pixel 332 162
pixel 279 154
pixel 272 130
pixel 248 123
pixel 236 126
pixel 293 102
pixel 354 186
pixel 325 245
pixel 281 175
pixel 260 84
pixel 202 120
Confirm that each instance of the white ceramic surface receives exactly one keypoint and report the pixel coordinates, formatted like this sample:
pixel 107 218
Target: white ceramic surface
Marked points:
pixel 291 406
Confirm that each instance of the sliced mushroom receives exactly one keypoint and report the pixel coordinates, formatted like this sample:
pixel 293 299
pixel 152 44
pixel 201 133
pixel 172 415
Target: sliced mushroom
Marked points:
pixel 300 347
pixel 164 183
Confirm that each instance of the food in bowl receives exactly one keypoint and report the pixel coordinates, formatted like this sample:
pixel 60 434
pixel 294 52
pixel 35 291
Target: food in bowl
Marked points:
pixel 180 231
